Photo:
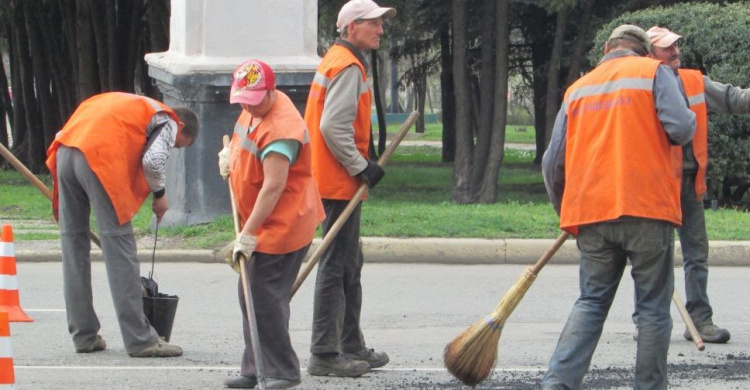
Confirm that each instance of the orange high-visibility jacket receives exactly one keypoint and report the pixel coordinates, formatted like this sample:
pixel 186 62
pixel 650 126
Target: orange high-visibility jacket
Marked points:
pixel 292 223
pixel 110 130
pixel 332 178
pixel 618 159
pixel 692 80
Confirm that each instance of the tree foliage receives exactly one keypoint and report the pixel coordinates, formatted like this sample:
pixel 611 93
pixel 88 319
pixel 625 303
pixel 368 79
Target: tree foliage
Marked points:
pixel 711 33
pixel 64 51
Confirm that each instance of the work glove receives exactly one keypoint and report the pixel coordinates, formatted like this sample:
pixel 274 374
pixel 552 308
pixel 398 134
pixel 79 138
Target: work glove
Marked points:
pixel 244 246
pixel 372 174
pixel 224 163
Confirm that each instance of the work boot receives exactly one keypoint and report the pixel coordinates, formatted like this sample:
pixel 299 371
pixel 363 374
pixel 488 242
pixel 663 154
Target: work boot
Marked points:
pixel 241 382
pixel 160 348
pixel 710 333
pixel 280 383
pixel 98 345
pixel 336 365
pixel 375 359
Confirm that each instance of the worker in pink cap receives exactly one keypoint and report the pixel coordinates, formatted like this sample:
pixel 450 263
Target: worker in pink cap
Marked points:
pixel 268 163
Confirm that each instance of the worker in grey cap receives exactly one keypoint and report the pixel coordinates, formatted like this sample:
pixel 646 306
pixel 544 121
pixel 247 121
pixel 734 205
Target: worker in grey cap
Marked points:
pixel 703 95
pixel 610 176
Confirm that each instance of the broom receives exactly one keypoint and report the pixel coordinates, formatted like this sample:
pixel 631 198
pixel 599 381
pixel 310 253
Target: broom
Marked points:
pixel 471 356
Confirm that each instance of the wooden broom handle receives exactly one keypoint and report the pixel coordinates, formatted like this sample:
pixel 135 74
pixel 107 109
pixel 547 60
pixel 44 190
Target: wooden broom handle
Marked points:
pixel 549 253
pixel 341 220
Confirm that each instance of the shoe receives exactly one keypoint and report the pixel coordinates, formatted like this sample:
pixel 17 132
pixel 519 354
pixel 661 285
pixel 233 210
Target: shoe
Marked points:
pixel 279 383
pixel 336 365
pixel 241 382
pixel 98 345
pixel 710 333
pixel 160 348
pixel 375 359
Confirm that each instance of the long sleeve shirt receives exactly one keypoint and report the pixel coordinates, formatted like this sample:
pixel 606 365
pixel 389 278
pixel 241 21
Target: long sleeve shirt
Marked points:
pixel 162 135
pixel 721 99
pixel 671 108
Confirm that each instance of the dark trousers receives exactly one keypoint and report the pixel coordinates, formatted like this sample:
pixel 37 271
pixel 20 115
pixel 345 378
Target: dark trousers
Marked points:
pixel 271 278
pixel 338 291
pixel 694 244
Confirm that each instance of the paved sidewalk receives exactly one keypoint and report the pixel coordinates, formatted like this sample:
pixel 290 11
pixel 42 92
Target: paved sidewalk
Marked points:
pixel 411 250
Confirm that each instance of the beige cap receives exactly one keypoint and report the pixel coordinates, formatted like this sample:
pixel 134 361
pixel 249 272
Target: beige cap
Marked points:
pixel 662 37
pixel 362 9
pixel 632 33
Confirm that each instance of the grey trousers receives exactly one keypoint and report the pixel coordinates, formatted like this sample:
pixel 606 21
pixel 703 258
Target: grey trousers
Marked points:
pixel 694 243
pixel 271 278
pixel 338 292
pixel 81 191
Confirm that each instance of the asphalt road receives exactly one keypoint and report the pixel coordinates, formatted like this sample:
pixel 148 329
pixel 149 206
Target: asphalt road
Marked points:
pixel 410 311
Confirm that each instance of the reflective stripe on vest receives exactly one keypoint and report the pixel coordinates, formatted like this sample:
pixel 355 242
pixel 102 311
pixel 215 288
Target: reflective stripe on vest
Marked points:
pixel 292 223
pixel 617 156
pixel 692 80
pixel 331 177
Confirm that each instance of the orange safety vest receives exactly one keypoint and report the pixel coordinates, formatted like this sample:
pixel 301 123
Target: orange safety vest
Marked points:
pixel 692 80
pixel 617 156
pixel 292 223
pixel 110 130
pixel 332 178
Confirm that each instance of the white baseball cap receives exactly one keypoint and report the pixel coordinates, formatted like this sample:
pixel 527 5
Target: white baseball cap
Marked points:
pixel 662 37
pixel 362 9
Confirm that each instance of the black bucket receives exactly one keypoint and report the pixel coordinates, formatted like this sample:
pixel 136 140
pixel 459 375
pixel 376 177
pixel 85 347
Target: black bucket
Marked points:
pixel 160 311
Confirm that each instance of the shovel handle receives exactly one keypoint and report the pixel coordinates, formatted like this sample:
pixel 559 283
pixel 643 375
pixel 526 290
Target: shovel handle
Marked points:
pixel 8 156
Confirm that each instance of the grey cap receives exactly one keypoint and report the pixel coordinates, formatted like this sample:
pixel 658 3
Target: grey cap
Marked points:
pixel 632 33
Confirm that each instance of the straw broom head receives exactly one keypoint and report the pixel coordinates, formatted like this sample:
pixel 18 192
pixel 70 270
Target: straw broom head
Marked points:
pixel 471 356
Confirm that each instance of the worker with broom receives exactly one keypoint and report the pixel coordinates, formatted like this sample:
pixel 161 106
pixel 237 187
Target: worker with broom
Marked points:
pixel 109 156
pixel 268 165
pixel 704 95
pixel 338 116
pixel 610 176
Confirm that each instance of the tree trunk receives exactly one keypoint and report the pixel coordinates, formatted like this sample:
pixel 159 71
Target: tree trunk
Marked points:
pixel 447 101
pixel 382 129
pixel 486 95
pixel 42 85
pixel 488 190
pixel 553 76
pixel 580 43
pixel 18 52
pixel 88 71
pixel 101 34
pixel 68 18
pixel 462 90
pixel 420 89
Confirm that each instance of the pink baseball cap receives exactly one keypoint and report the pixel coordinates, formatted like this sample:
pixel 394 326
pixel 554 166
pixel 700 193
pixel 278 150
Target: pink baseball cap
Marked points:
pixel 250 82
pixel 662 37
pixel 362 9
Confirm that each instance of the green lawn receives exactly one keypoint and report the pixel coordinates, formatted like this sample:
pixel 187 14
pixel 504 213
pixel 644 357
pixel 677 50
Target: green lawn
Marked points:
pixel 434 132
pixel 413 200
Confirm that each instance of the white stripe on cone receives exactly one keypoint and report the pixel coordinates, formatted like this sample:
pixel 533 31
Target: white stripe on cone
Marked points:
pixel 6 249
pixel 6 348
pixel 8 282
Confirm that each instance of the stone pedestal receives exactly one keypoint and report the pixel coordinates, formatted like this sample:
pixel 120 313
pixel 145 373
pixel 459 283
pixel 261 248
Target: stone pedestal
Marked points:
pixel 208 40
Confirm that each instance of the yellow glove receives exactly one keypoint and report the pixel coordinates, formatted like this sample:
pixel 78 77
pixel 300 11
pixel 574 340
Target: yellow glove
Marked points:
pixel 224 162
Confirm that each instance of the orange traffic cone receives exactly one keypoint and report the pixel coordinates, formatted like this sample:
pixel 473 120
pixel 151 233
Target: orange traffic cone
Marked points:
pixel 8 282
pixel 7 377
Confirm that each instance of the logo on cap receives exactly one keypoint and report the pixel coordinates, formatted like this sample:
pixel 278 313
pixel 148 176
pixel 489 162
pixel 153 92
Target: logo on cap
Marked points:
pixel 249 77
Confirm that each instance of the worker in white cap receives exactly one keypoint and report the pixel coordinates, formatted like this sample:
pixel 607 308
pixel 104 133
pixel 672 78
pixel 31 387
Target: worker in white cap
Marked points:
pixel 338 117
pixel 703 95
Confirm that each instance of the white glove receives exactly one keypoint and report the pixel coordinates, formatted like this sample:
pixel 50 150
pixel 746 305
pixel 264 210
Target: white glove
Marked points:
pixel 224 163
pixel 244 245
